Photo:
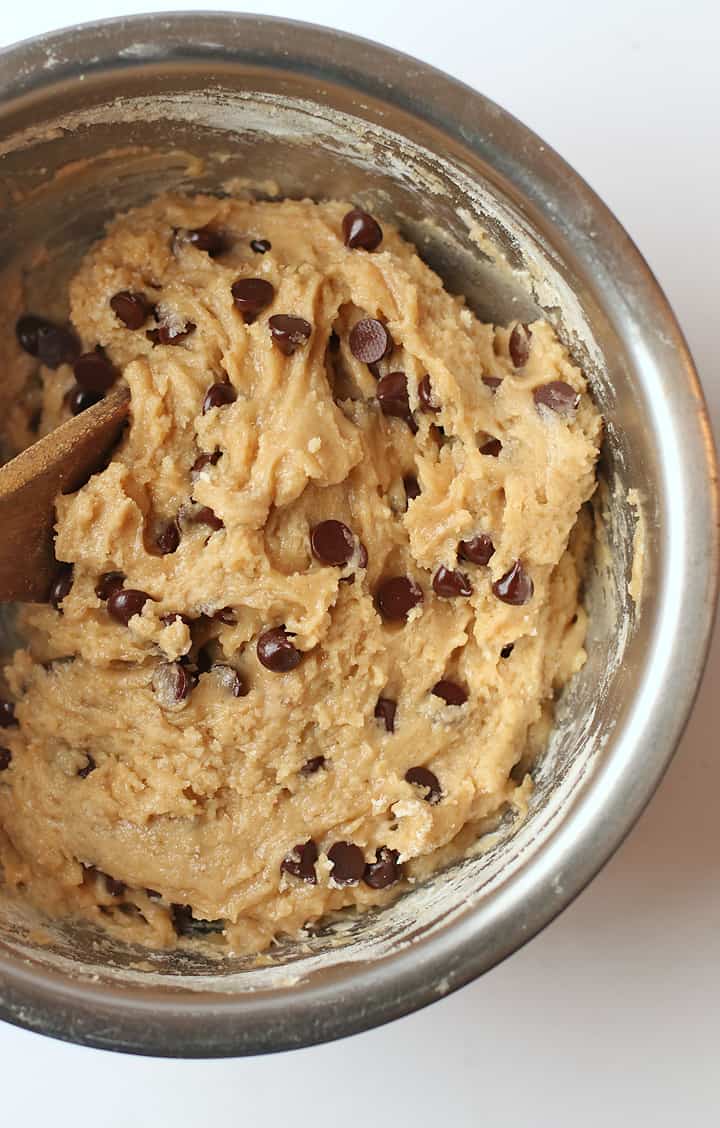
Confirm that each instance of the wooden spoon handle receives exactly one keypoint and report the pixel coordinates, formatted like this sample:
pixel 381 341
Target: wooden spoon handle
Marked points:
pixel 58 463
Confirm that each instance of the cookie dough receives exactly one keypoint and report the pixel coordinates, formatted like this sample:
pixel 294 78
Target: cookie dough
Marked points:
pixel 313 613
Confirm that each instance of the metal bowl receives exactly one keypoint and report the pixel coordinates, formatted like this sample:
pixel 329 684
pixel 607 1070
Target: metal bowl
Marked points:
pixel 99 118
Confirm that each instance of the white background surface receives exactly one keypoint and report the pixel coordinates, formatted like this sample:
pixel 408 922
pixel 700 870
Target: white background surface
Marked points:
pixel 612 1015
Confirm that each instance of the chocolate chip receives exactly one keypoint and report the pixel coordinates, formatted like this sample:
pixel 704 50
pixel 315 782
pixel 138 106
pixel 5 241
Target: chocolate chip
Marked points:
pixel 385 870
pixel 332 543
pixel 167 538
pixel 5 759
pixel 261 246
pixel 426 397
pixel 289 333
pixel 225 615
pixel 313 765
pixel 204 661
pixel 7 713
pixel 204 460
pixel 114 887
pixel 450 692
pixel 204 515
pixel 557 396
pixel 218 395
pixel 396 597
pixel 300 862
pixel 171 617
pixel 412 487
pixel 476 550
pixel 132 308
pixel 348 862
pixel 251 296
pixel 385 711
pixel 370 340
pixel 207 239
pixel 61 585
pixel 423 777
pixel 95 372
pixel 392 394
pixel 276 651
pixel 507 650
pixel 170 334
pixel 52 344
pixel 108 583
pixel 449 584
pixel 182 919
pixel 80 399
pixel 185 924
pixel 361 230
pixel 171 683
pixel 519 345
pixel 229 679
pixel 492 448
pixel 492 382
pixel 90 766
pixel 515 587
pixel 125 603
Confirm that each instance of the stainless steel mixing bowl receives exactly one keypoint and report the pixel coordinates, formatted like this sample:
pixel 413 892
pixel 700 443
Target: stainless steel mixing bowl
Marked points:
pixel 98 118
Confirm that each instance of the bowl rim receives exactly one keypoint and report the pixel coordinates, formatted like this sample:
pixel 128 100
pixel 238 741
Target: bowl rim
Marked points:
pixel 216 1025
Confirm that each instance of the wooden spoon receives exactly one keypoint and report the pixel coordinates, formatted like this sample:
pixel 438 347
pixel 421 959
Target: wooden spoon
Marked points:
pixel 58 463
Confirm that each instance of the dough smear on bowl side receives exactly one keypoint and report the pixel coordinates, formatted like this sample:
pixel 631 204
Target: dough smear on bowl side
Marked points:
pixel 310 618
